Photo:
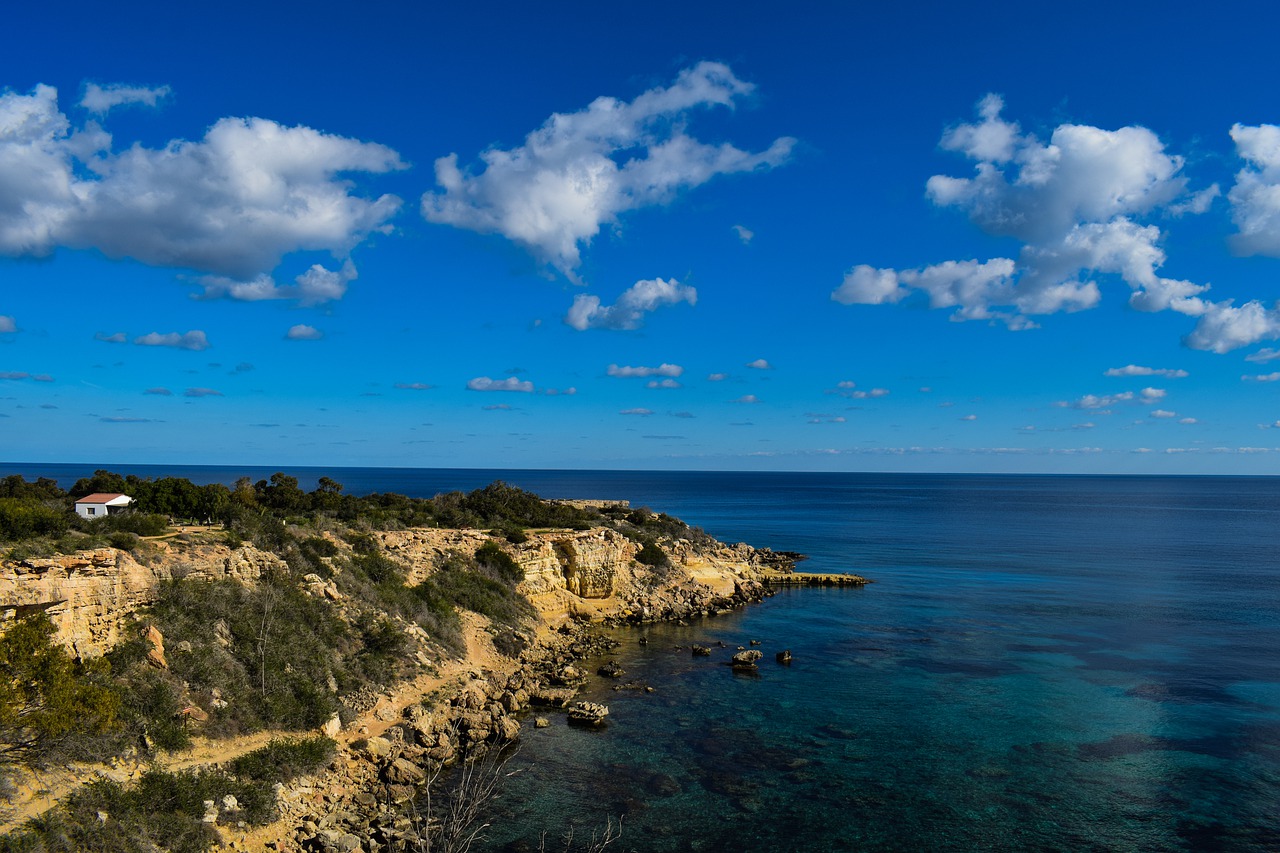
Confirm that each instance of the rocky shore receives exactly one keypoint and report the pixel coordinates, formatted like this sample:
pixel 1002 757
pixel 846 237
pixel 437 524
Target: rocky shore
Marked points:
pixel 370 789
pixel 397 743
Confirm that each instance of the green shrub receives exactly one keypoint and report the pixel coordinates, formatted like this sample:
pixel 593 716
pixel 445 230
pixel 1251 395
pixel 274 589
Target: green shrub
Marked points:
pixel 285 759
pixel 122 540
pixel 46 698
pixel 652 555
pixel 491 556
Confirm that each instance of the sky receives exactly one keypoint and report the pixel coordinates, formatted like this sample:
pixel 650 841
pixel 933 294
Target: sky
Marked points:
pixel 719 236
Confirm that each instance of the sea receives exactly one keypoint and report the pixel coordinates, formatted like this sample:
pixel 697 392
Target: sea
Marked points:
pixel 1043 663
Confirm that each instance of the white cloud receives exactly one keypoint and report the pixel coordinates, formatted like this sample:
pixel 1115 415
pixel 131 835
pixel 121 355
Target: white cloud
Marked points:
pixel 1075 203
pixel 1135 370
pixel 1262 377
pixel 1255 198
pixel 760 364
pixel 748 398
pixel 194 340
pixel 414 386
pixel 7 324
pixel 663 383
pixel 1263 355
pixel 744 234
pixel 969 417
pixel 1188 421
pixel 628 312
pixel 313 287
pixel 232 204
pixel 580 170
pixel 558 392
pixel 303 332
pixel 101 99
pixel 1105 401
pixel 717 377
pixel 1163 413
pixel 664 369
pixel 484 383
pixel 849 388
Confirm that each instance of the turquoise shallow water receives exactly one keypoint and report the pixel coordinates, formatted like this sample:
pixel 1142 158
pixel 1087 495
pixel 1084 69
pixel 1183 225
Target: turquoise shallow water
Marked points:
pixel 1044 663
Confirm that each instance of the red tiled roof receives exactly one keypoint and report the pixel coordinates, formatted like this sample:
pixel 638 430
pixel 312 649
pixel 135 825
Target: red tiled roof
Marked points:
pixel 100 497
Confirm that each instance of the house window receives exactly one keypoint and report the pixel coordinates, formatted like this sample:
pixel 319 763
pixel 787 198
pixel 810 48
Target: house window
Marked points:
pixel 92 511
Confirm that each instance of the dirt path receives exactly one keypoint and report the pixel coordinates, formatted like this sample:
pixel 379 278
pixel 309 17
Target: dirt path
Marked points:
pixel 37 792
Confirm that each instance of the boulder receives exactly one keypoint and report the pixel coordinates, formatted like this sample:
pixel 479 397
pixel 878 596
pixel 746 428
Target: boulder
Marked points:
pixel 588 714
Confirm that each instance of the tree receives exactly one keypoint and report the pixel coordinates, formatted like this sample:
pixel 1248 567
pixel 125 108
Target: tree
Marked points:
pixel 45 696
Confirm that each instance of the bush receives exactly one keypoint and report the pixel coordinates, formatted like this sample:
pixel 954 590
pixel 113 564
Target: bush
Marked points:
pixel 285 759
pixel 122 540
pixel 163 811
pixel 652 555
pixel 492 557
pixel 47 699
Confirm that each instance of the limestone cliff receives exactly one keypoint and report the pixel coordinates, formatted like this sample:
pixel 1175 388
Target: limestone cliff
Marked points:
pixel 589 573
pixel 89 595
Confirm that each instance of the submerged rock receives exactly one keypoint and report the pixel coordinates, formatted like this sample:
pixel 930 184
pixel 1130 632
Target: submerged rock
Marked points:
pixel 784 656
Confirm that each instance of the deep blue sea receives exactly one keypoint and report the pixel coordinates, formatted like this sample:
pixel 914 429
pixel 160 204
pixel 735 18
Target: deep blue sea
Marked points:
pixel 1043 663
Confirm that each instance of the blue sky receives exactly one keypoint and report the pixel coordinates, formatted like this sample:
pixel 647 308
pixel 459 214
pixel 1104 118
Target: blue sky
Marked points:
pixel 933 237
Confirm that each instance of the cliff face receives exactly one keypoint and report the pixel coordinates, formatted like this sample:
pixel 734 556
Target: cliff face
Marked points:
pixel 591 573
pixel 89 595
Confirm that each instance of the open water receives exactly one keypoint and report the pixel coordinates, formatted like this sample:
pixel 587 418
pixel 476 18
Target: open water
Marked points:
pixel 1043 663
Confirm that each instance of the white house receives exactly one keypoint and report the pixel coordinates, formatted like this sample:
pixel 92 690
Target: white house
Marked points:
pixel 100 504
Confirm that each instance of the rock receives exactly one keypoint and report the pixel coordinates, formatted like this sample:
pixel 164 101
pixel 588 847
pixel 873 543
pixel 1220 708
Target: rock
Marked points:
pixel 332 726
pixel 230 803
pixel 612 669
pixel 784 656
pixel 541 723
pixel 701 651
pixel 588 713
pixel 222 633
pixel 378 747
pixel 403 772
pixel 155 651
pixel 746 659
pixel 755 642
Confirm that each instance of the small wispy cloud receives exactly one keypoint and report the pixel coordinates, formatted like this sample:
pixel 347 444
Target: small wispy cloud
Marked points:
pixel 664 369
pixel 8 325
pixel 1262 377
pixel 747 398
pixel 1135 370
pixel 760 364
pixel 201 392
pixel 110 420
pixel 414 386
pixel 159 392
pixel 717 377
pixel 744 234
pixel 303 332
pixel 1263 355
pixel 641 412
pixel 194 340
pixel 112 338
pixel 484 383
pixel 663 383
pixel 100 100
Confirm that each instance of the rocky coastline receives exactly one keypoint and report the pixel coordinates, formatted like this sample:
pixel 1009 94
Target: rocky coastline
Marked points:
pixel 397 743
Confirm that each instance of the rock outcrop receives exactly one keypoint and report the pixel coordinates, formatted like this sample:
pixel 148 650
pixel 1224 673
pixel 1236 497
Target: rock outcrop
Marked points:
pixel 89 595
